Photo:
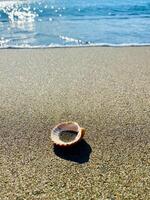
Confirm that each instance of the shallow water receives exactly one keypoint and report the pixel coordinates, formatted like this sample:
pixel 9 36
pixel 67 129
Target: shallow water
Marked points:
pixel 75 22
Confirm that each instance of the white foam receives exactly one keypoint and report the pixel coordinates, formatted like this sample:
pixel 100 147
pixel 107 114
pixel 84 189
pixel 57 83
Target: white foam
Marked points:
pixel 3 42
pixel 4 4
pixel 11 9
pixel 69 39
pixel 27 46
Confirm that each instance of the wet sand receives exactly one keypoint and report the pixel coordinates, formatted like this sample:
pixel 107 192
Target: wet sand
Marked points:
pixel 107 91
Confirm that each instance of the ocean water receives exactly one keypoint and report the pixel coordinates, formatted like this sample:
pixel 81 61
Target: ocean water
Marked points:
pixel 46 23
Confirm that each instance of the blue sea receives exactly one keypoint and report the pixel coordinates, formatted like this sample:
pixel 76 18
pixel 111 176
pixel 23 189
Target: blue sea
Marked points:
pixel 52 23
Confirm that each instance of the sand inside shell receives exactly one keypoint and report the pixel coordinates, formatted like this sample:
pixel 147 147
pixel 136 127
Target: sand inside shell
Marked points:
pixel 67 136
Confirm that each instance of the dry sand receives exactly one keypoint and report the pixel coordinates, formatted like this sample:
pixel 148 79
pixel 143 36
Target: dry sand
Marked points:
pixel 107 91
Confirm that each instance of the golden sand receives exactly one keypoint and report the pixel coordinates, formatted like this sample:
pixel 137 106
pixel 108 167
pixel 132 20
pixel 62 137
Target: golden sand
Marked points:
pixel 107 91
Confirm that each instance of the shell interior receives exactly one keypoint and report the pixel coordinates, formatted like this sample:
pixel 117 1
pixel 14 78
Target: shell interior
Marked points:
pixel 65 133
pixel 67 136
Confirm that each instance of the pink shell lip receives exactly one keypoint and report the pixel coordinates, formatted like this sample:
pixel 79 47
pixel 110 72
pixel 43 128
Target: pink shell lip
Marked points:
pixel 67 126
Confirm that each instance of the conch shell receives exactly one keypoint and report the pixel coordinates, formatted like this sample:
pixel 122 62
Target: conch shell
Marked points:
pixel 67 133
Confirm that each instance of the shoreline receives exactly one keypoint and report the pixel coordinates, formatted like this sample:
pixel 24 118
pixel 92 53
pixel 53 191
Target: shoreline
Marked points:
pixel 79 46
pixel 107 91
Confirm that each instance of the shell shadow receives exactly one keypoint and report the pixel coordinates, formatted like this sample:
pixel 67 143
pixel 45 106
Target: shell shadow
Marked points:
pixel 79 153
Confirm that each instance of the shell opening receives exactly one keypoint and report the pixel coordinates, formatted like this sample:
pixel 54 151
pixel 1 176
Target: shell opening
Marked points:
pixel 67 133
pixel 67 136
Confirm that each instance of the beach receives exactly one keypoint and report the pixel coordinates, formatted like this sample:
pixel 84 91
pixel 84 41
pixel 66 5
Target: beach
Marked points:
pixel 104 89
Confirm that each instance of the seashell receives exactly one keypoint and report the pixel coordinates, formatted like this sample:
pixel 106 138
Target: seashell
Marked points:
pixel 67 133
